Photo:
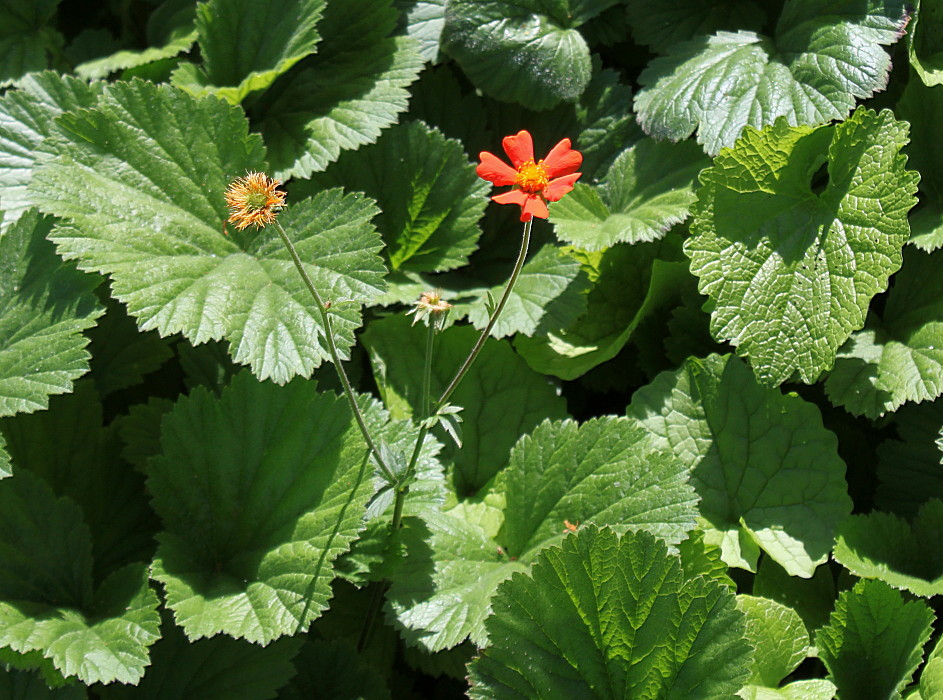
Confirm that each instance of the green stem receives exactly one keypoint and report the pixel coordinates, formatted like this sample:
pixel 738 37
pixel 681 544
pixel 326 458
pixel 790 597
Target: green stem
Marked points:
pixel 332 348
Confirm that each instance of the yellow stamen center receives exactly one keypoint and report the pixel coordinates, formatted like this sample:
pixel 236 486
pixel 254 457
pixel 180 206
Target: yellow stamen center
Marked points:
pixel 532 177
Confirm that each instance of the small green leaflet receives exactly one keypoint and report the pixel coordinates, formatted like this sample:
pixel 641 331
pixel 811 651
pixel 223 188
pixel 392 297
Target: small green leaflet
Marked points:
pixel 818 64
pixel 791 263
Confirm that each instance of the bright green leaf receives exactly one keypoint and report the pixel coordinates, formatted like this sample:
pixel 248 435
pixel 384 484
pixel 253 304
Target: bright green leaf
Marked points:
pixel 256 506
pixel 812 689
pixel 812 598
pixel 745 444
pixel 924 43
pixel 142 177
pixel 791 264
pixel 46 306
pixel 604 617
pixel 424 21
pixel 818 64
pixel 874 641
pixel 778 637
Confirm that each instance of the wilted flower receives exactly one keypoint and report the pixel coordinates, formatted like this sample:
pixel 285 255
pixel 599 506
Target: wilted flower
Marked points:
pixel 253 200
pixel 430 304
pixel 535 183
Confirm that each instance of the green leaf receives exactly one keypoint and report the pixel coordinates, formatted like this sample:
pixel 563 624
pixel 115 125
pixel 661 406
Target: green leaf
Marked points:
pixel 142 176
pixel 498 378
pixel 256 506
pixel 605 617
pixel 27 685
pixel 648 189
pixel 25 37
pixel 344 96
pixel 549 293
pixel 903 555
pixel 211 669
pixel 350 677
pixel 818 64
pixel 931 677
pixel 47 599
pixel 27 116
pixel 423 21
pixel 528 51
pixel 246 45
pixel 901 359
pixel 812 598
pixel 874 641
pixel 791 266
pixel 813 689
pixel 605 471
pixel 46 306
pixel 429 196
pixel 744 444
pixel 923 108
pixel 908 469
pixel 661 26
pixel 924 44
pixel 778 637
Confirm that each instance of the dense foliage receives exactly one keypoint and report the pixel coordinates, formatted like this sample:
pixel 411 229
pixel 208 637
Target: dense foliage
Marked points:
pixel 699 456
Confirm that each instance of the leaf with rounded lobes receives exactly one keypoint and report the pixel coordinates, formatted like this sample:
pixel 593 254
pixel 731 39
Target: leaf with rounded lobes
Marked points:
pixel 141 178
pixel 660 26
pixel 429 196
pixel 818 64
pixel 27 116
pixel 886 547
pixel 922 107
pixel 46 304
pixel 605 617
pixel 778 637
pixel 648 189
pixel 791 264
pixel 528 51
pixel 344 96
pixel 812 598
pixel 256 505
pixel 48 600
pixel 604 471
pixel 924 44
pixel 767 471
pixel 872 621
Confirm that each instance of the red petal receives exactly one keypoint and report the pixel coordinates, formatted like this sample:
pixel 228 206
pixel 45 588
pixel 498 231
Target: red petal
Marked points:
pixel 520 148
pixel 495 170
pixel 512 197
pixel 562 160
pixel 559 187
pixel 534 206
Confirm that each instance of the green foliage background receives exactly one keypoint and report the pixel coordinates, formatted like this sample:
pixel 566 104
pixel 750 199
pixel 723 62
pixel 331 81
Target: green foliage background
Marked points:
pixel 702 450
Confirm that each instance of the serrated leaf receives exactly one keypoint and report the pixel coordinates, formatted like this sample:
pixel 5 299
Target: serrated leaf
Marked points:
pixel 924 45
pixel 47 599
pixel 528 52
pixel 25 37
pixel 429 196
pixel 341 98
pixel 820 61
pixel 423 21
pixel 256 506
pixel 745 444
pixel 46 305
pixel 872 621
pixel 661 26
pixel 27 116
pixel 141 177
pixel 498 378
pixel 648 189
pixel 790 269
pixel 778 637
pixel 246 45
pixel 608 618
pixel 886 547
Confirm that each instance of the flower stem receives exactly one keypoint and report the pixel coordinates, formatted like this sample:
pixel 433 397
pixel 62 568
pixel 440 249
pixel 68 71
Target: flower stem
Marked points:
pixel 332 348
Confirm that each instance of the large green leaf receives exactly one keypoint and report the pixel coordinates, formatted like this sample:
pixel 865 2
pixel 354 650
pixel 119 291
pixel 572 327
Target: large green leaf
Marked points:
pixel 925 46
pixel 886 547
pixel 25 37
pixel 601 617
pixel 790 265
pixel 423 21
pixel 429 195
pixel 256 506
pixel 812 598
pixel 745 445
pixel 48 602
pixel 901 358
pixel 923 108
pixel 820 61
pixel 526 51
pixel 27 116
pixel 141 177
pixel 874 641
pixel 341 98
pixel 648 189
pixel 498 378
pixel 908 469
pixel 46 305
pixel 660 26
pixel 245 45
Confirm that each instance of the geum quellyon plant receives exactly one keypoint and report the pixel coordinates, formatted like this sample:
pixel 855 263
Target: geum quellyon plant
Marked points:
pixel 254 200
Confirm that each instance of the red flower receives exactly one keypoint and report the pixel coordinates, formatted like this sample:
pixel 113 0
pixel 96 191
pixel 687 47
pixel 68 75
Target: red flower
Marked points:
pixel 535 183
